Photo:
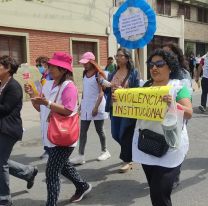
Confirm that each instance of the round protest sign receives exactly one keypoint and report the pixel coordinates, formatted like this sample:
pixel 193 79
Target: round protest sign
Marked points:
pixel 134 24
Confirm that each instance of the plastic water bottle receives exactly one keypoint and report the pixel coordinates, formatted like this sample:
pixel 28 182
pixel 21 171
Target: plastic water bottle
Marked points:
pixel 169 126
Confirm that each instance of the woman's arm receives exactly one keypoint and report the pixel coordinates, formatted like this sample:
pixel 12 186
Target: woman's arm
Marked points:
pixel 186 105
pixel 55 107
pixel 99 99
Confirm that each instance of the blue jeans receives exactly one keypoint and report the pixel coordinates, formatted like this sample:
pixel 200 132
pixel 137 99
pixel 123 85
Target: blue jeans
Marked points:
pixel 122 130
pixel 6 145
pixel 24 172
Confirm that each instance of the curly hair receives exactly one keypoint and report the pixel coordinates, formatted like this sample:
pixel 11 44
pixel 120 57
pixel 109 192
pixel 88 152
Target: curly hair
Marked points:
pixel 178 52
pixel 170 59
pixel 42 59
pixel 9 63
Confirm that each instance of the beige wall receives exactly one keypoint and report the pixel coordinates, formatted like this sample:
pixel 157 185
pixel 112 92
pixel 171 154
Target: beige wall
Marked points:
pixel 169 26
pixel 71 16
pixel 196 31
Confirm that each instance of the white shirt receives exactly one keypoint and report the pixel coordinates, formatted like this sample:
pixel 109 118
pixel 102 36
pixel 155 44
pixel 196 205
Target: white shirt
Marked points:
pixel 174 156
pixel 89 99
pixel 50 94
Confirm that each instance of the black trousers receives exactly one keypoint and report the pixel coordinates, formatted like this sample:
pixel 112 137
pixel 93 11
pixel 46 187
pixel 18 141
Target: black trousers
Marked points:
pixel 160 180
pixel 58 163
pixel 204 85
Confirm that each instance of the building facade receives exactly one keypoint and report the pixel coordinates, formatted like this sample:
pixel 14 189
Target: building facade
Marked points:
pixel 181 21
pixel 30 28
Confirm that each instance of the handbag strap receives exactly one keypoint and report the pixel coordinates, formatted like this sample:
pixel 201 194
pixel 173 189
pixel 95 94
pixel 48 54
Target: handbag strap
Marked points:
pixel 54 102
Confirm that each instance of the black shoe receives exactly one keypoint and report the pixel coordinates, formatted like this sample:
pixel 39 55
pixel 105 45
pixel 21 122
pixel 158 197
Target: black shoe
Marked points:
pixel 30 182
pixel 5 203
pixel 80 194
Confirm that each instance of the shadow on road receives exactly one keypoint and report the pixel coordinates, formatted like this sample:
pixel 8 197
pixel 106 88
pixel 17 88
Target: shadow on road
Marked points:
pixel 197 164
pixel 115 193
pixel 27 201
pixel 197 111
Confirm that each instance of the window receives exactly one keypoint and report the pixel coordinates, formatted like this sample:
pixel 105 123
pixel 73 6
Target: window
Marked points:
pixel 164 7
pixel 184 9
pixel 13 46
pixel 80 47
pixel 118 3
pixel 203 15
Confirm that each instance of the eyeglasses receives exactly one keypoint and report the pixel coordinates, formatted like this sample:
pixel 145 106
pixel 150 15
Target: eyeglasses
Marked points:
pixel 159 64
pixel 119 56
pixel 38 65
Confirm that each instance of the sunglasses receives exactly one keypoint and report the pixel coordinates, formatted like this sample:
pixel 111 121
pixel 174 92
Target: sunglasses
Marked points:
pixel 158 64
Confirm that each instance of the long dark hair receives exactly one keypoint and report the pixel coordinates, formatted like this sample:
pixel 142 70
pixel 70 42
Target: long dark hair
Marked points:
pixel 68 75
pixel 127 54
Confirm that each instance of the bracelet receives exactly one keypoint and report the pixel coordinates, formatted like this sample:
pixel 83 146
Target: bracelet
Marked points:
pixel 49 104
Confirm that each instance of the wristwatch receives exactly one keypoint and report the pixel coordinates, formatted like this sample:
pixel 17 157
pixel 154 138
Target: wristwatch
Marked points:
pixel 49 104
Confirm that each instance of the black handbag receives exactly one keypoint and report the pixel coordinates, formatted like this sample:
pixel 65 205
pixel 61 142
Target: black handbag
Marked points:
pixel 152 143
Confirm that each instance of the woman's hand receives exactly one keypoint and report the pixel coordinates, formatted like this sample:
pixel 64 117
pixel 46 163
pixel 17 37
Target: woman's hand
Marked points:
pixel 113 97
pixel 40 101
pixel 94 111
pixel 168 98
pixel 28 89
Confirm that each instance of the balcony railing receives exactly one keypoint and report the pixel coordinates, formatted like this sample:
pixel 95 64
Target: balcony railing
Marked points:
pixel 203 3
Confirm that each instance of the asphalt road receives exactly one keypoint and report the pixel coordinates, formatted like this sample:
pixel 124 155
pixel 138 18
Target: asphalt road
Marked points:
pixel 110 187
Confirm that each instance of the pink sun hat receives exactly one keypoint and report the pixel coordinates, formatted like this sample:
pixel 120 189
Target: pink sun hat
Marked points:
pixel 86 57
pixel 62 59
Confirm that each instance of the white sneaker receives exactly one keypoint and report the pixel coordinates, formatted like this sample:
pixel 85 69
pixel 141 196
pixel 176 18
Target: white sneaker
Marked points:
pixel 203 109
pixel 104 156
pixel 79 160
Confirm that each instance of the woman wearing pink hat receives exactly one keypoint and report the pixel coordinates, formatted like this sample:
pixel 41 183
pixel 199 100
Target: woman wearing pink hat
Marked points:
pixel 92 107
pixel 60 69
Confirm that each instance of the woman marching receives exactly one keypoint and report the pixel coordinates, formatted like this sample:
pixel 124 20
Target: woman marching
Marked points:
pixel 60 96
pixel 161 172
pixel 125 76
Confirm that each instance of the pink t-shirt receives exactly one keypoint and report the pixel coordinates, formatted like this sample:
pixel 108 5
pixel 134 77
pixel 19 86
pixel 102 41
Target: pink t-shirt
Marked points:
pixel 69 96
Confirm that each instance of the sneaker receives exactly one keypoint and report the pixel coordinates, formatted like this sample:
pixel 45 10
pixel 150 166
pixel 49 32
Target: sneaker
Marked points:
pixel 104 156
pixel 44 155
pixel 79 160
pixel 202 109
pixel 80 194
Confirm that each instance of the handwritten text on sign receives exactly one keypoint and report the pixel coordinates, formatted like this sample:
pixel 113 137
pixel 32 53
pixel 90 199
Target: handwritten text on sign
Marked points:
pixel 141 103
pixel 132 25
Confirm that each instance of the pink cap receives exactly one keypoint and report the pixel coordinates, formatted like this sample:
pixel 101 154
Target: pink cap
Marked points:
pixel 86 57
pixel 62 59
